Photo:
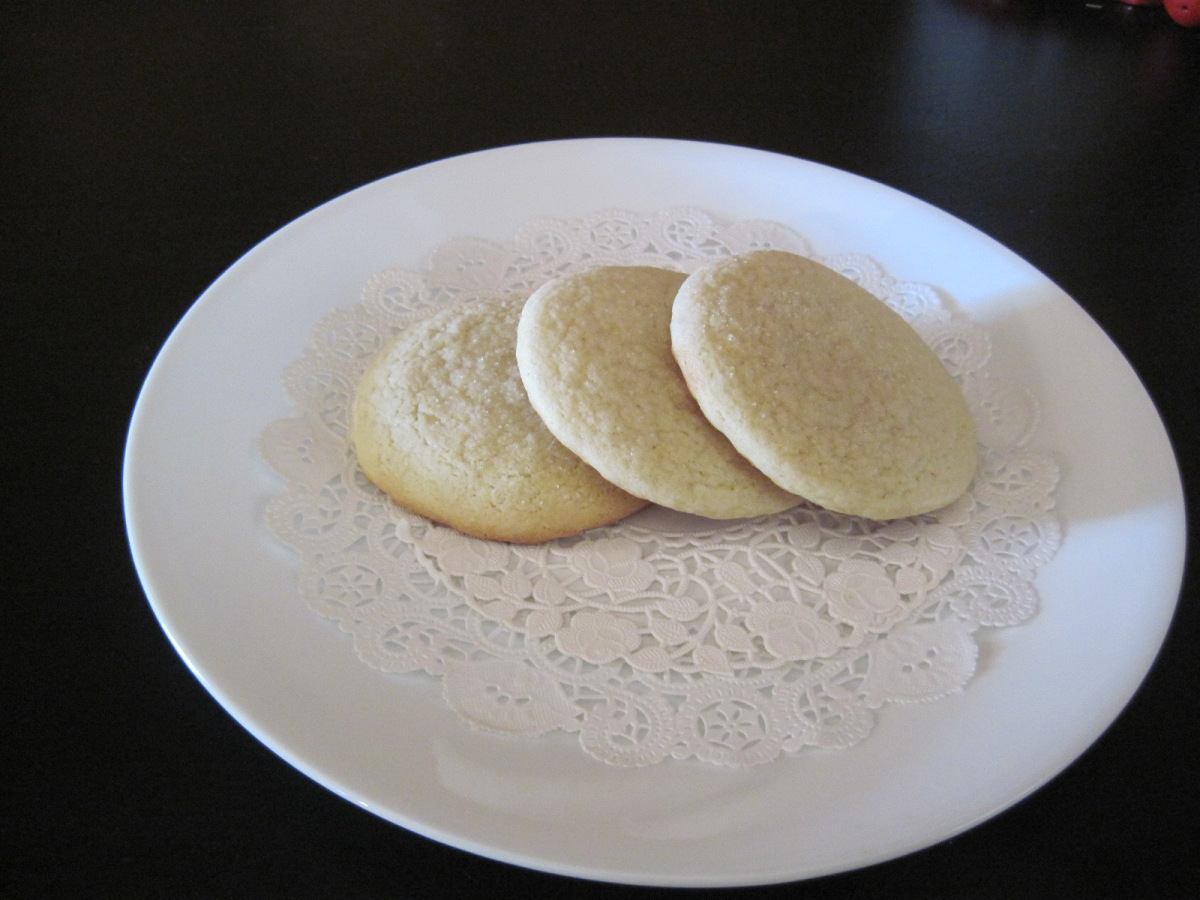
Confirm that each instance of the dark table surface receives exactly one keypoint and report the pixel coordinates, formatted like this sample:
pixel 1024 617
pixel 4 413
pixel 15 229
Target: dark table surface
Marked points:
pixel 146 146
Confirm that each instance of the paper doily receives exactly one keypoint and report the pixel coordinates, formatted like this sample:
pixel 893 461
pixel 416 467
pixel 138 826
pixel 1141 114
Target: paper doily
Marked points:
pixel 665 635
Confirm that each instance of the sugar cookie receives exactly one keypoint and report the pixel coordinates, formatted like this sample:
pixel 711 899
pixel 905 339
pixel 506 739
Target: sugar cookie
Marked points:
pixel 442 423
pixel 822 386
pixel 594 352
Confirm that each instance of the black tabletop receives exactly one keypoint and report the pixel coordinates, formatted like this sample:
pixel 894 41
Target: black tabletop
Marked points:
pixel 146 146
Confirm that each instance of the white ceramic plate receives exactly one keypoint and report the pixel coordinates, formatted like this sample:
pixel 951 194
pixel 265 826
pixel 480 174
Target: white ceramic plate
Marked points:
pixel 226 593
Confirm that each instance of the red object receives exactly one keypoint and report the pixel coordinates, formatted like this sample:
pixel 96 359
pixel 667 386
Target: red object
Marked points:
pixel 1185 12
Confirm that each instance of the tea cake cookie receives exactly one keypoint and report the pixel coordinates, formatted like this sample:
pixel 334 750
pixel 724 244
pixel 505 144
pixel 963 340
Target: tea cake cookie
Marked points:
pixel 822 386
pixel 594 352
pixel 441 422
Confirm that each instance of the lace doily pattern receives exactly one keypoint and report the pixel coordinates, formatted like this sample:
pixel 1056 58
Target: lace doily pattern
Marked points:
pixel 666 635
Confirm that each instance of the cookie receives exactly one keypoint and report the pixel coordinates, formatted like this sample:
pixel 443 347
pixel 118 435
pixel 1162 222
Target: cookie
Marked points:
pixel 594 353
pixel 822 386
pixel 442 423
